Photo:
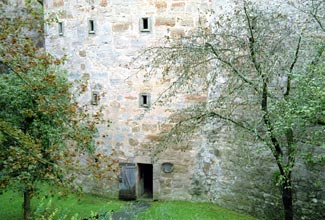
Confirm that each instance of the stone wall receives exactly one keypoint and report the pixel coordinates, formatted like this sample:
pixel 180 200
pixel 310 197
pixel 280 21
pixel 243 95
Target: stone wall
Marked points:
pixel 237 172
pixel 215 165
pixel 103 57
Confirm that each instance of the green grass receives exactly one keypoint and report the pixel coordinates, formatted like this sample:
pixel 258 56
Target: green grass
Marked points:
pixel 180 210
pixel 10 206
pixel 84 205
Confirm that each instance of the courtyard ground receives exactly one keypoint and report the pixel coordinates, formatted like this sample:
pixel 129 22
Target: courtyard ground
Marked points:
pixel 60 205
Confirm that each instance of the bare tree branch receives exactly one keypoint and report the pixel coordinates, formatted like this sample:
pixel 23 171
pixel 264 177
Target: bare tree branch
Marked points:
pixel 252 42
pixel 234 69
pixel 286 94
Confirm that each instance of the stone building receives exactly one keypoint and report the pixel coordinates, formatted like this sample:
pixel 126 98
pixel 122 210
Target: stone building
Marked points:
pixel 100 38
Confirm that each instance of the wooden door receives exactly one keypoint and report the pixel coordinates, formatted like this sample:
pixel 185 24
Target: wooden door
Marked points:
pixel 127 185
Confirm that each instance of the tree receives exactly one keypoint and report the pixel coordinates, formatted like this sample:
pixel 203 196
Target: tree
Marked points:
pixel 263 70
pixel 43 127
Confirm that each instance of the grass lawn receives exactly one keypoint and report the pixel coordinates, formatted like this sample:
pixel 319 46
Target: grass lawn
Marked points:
pixel 84 205
pixel 180 210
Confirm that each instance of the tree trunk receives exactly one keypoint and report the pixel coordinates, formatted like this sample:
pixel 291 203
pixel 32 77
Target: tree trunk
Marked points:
pixel 287 199
pixel 27 198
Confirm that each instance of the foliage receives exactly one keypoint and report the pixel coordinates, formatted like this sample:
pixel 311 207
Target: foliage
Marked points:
pixel 50 199
pixel 43 127
pixel 262 69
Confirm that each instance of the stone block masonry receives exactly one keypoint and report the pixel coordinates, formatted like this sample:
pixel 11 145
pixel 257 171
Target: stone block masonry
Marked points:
pixel 100 39
pixel 102 55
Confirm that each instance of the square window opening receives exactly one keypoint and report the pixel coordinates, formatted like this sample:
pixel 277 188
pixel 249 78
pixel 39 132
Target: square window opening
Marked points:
pixel 60 24
pixel 144 100
pixel 95 98
pixel 91 26
pixel 145 24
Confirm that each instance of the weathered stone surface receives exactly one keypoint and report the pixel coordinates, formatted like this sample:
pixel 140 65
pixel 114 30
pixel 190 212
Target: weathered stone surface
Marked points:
pixel 165 21
pixel 178 6
pixel 103 3
pixel 149 127
pixel 115 104
pixel 189 22
pixel 214 165
pixel 58 3
pixel 82 53
pixel 196 98
pixel 161 5
pixel 131 97
pixel 133 142
pixel 153 137
pixel 120 27
pixel 136 129
pixel 177 32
